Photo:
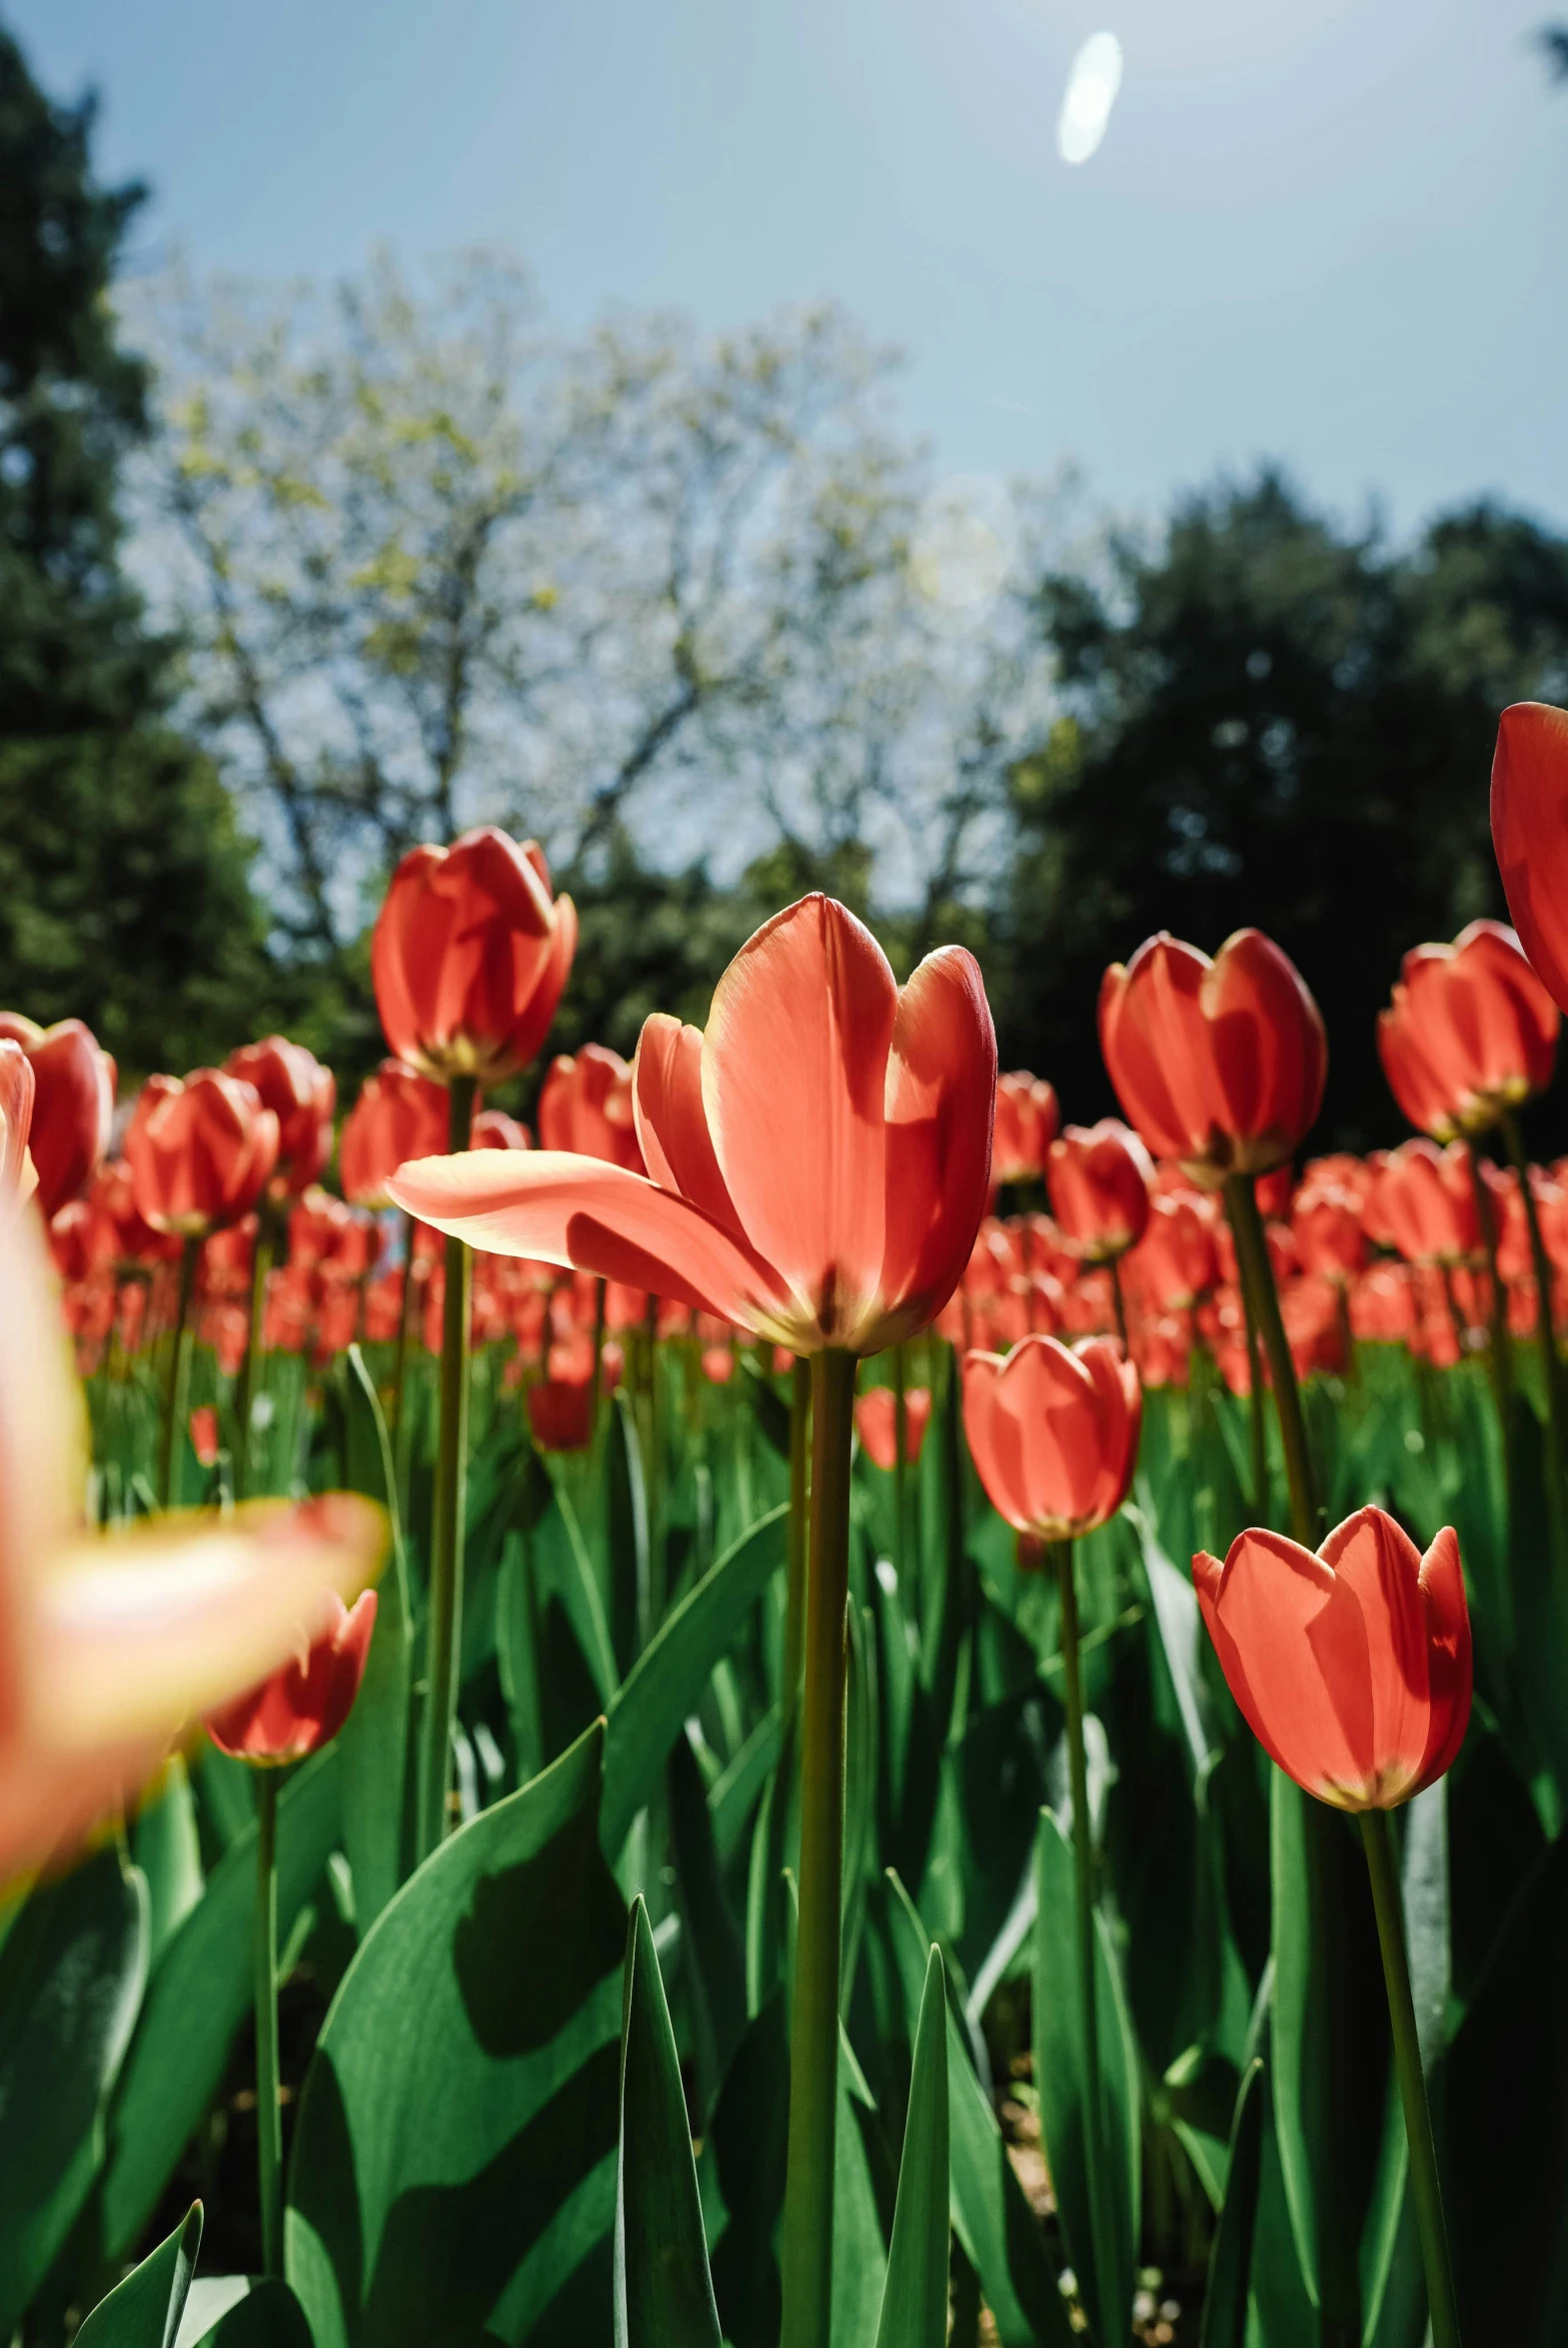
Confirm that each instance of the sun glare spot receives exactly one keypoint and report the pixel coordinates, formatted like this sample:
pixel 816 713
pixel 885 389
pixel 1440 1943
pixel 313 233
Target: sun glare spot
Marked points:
pixel 1090 94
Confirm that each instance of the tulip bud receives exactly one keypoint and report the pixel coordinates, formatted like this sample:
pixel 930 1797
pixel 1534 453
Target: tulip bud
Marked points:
pixel 201 1153
pixel 302 1095
pixel 302 1706
pixel 1100 1181
pixel 877 1424
pixel 1026 1121
pixel 469 955
pixel 1352 1665
pixel 1054 1433
pixel 1470 1032
pixel 1220 1064
pixel 73 1106
pixel 586 1107
pixel 399 1115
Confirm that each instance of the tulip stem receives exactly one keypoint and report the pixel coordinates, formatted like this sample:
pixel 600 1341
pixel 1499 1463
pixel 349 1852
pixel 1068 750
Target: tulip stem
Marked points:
pixel 1095 2162
pixel 1118 1302
pixel 177 1392
pixel 443 1640
pixel 268 2106
pixel 799 1490
pixel 255 1338
pixel 1546 1336
pixel 1262 1299
pixel 1499 1352
pixel 1425 2189
pixel 900 1472
pixel 806 2245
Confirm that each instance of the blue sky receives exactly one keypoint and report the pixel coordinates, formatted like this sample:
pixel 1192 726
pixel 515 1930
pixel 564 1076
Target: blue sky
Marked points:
pixel 1325 230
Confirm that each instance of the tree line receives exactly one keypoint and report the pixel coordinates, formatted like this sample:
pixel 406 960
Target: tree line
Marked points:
pixel 292 577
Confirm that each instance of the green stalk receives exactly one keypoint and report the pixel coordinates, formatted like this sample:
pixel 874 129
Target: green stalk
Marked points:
pixel 806 2243
pixel 1546 1336
pixel 901 1470
pixel 444 1644
pixel 1119 1302
pixel 1424 2187
pixel 799 1488
pixel 599 1346
pixel 261 1267
pixel 1095 2156
pixel 1262 1305
pixel 1500 1353
pixel 177 1392
pixel 269 2107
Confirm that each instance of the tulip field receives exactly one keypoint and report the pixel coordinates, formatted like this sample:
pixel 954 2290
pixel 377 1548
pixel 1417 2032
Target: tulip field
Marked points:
pixel 803 1706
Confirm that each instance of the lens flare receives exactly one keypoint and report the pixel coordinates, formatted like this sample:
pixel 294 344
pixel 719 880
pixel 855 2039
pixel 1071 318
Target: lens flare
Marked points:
pixel 1090 94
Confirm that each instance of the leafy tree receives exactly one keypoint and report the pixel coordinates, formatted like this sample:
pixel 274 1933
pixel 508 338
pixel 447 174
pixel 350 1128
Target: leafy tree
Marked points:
pixel 1268 722
pixel 125 896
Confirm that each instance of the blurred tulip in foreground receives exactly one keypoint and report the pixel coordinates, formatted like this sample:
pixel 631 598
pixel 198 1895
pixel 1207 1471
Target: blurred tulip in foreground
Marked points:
pixel 1530 834
pixel 73 1105
pixel 852 1236
pixel 1100 1178
pixel 302 1095
pixel 109 1645
pixel 1470 1032
pixel 201 1151
pixel 302 1706
pixel 1352 1665
pixel 1055 1432
pixel 1220 1064
pixel 877 1424
pixel 586 1106
pixel 469 955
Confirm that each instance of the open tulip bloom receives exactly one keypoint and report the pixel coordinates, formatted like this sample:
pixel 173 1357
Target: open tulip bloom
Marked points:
pixel 1352 1663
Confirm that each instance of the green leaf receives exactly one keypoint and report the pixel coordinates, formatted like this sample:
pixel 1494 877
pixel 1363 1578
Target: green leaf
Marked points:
pixel 750 2136
pixel 373 1750
pixel 1000 2234
pixel 666 1683
pixel 564 1567
pixel 1336 2116
pixel 266 2315
pixel 72 1970
pixel 625 1534
pixel 914 2299
pixel 664 2292
pixel 454 2160
pixel 1230 2257
pixel 167 1847
pixel 145 2310
pixel 711 1940
pixel 859 2258
pixel 198 2000
pixel 1061 2081
pixel 1183 1637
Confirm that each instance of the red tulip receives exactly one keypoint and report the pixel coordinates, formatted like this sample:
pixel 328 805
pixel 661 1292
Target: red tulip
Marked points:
pixel 1176 1262
pixel 818 1158
pixel 1326 1227
pixel 1100 1181
pixel 303 1705
pixel 493 1129
pixel 201 1153
pixel 586 1106
pixel 469 955
pixel 1054 1433
pixel 1470 1032
pixel 1529 828
pixel 1352 1666
pixel 73 1106
pixel 399 1115
pixel 302 1095
pixel 877 1424
pixel 18 1178
pixel 1220 1064
pixel 1424 1199
pixel 1027 1117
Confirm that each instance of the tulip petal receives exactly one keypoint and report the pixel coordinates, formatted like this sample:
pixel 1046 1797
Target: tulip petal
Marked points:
pixel 135 1633
pixel 1276 1612
pixel 795 1072
pixel 1375 1560
pixel 555 1208
pixel 1447 1624
pixel 1530 831
pixel 672 1125
pixel 941 1091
